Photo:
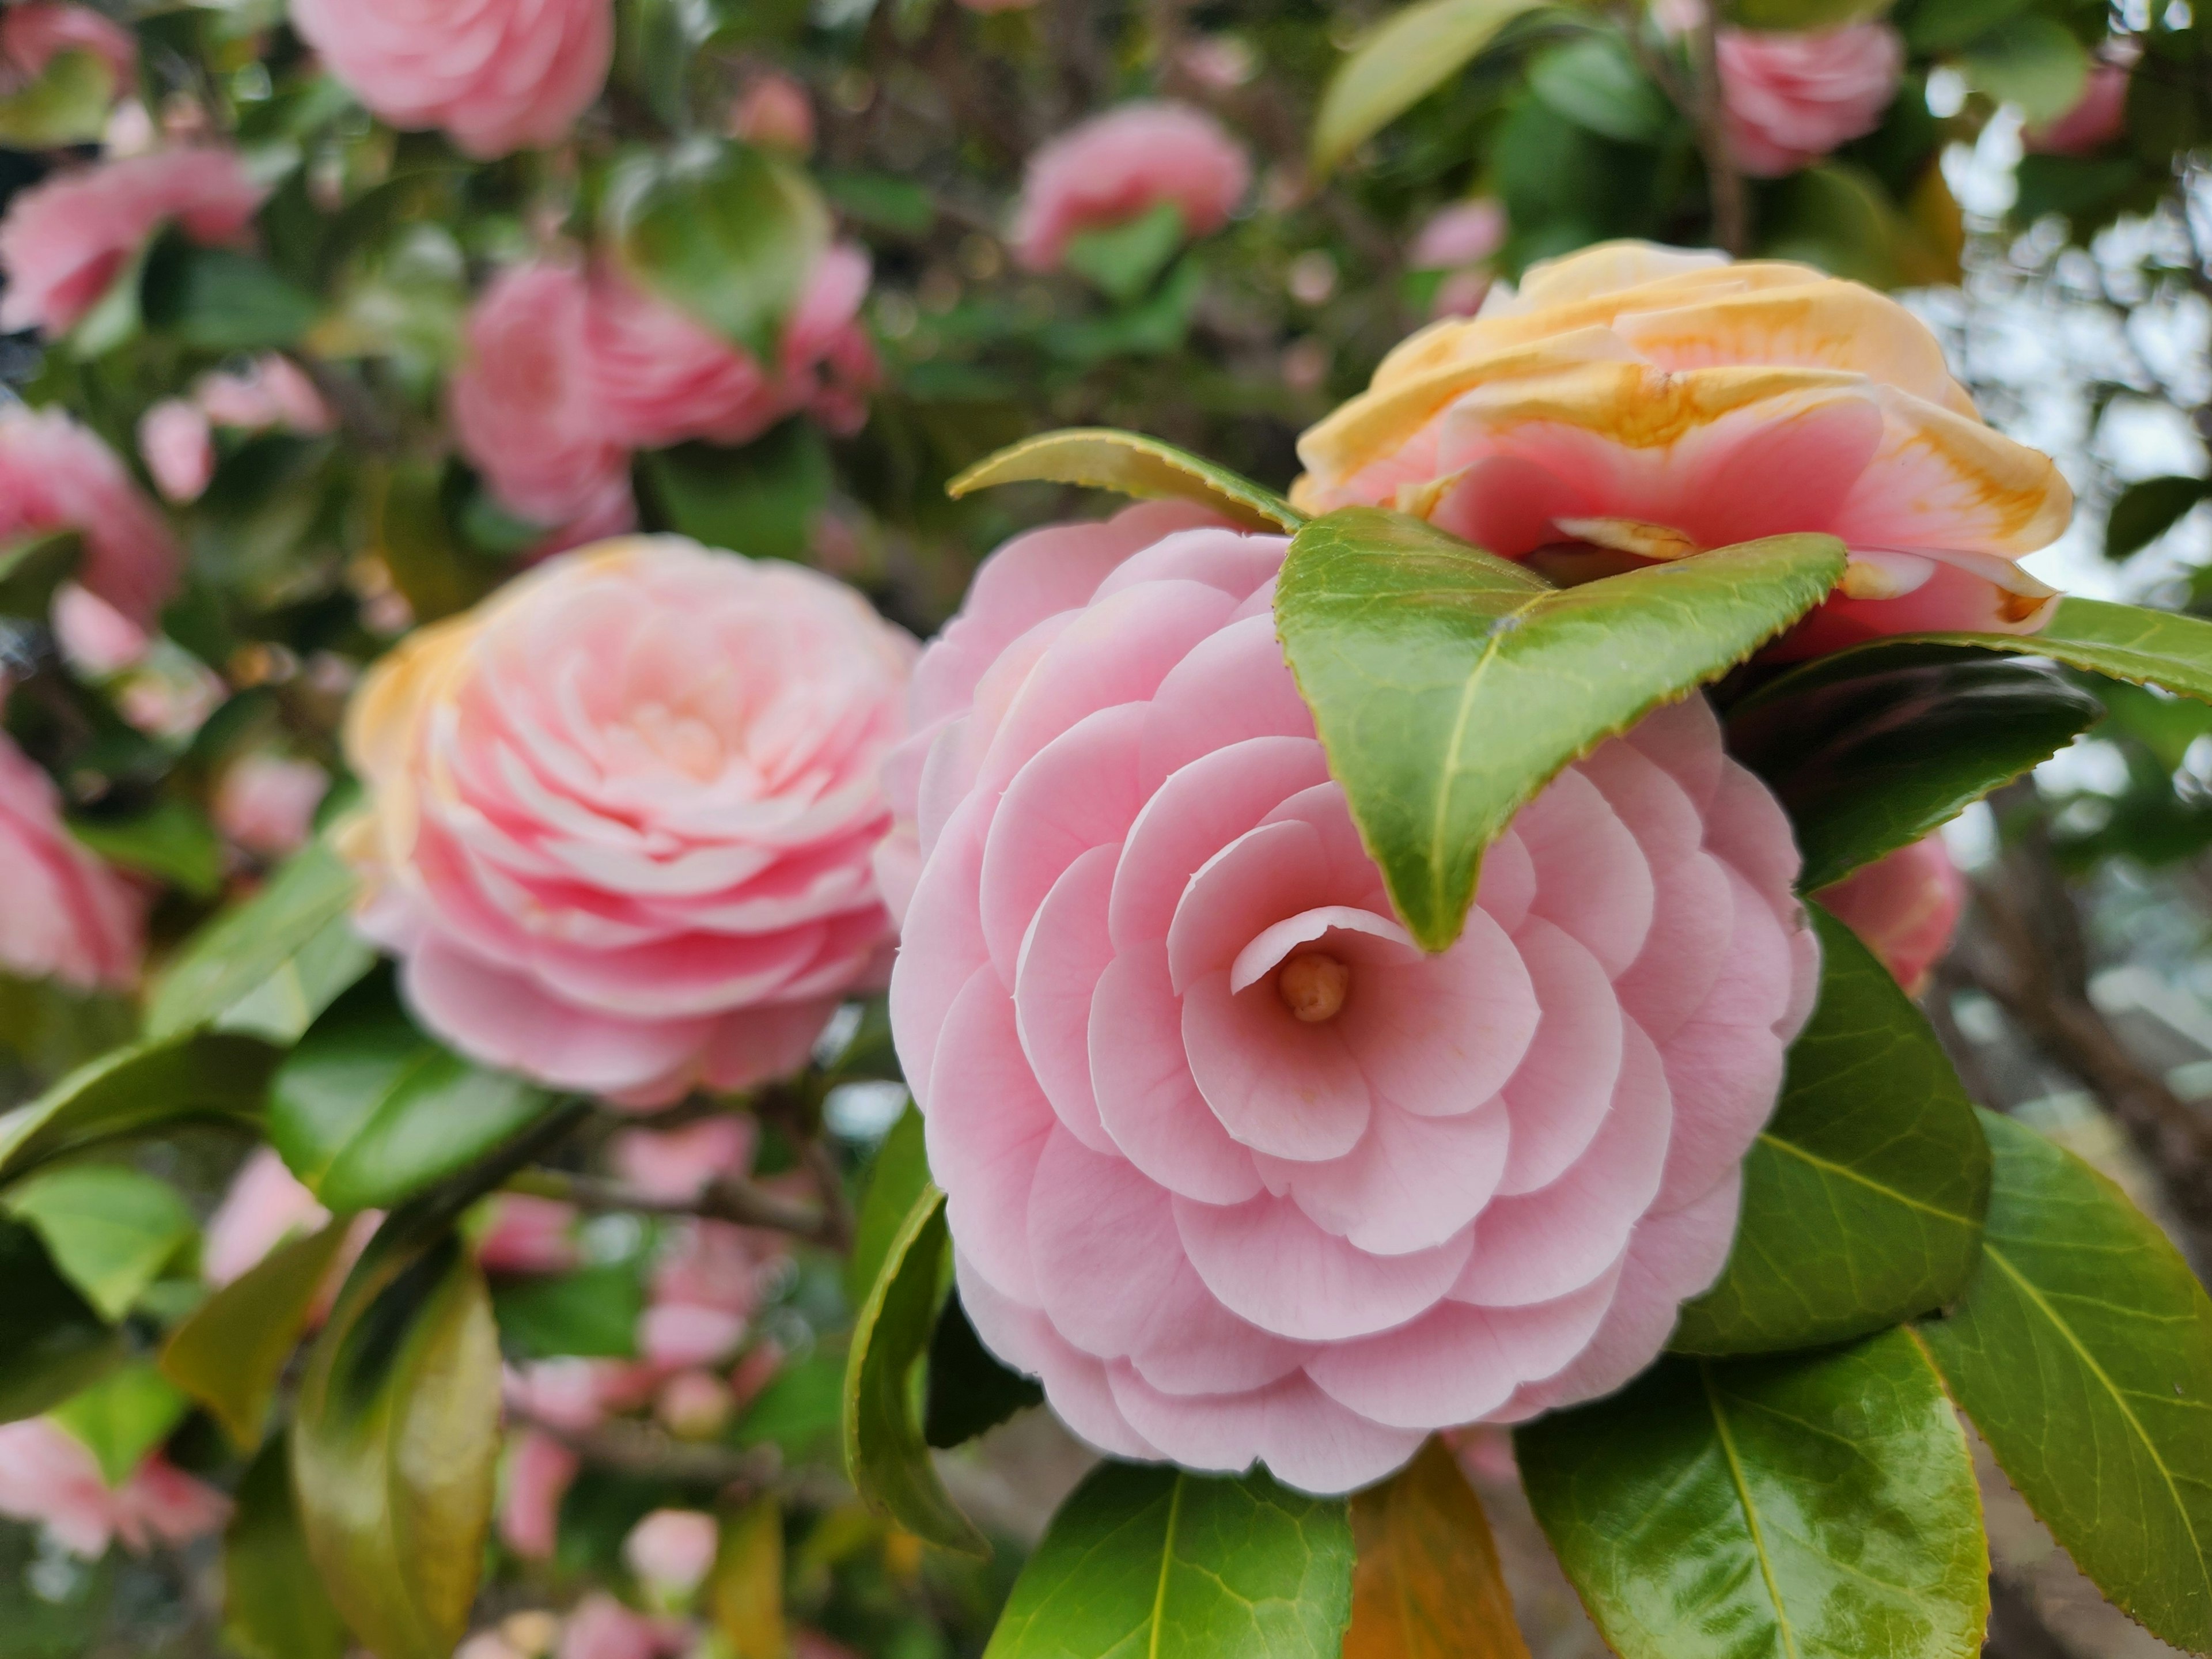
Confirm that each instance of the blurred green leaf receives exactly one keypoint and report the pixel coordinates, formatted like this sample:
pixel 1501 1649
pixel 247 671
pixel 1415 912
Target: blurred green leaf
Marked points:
pixel 1864 1195
pixel 745 1592
pixel 368 1111
pixel 1157 1560
pixel 1821 1505
pixel 885 1455
pixel 2128 642
pixel 1408 56
pixel 1809 15
pixel 68 104
pixel 882 201
pixel 1101 459
pixel 896 1179
pixel 967 1390
pixel 1942 26
pixel 800 1411
pixel 172 841
pixel 229 1351
pixel 1121 262
pixel 2149 509
pixel 132 1090
pixel 110 1229
pixel 274 1606
pixel 1595 83
pixel 122 1417
pixel 1433 670
pixel 592 1313
pixel 33 565
pixel 412 533
pixel 275 961
pixel 220 299
pixel 2082 1350
pixel 762 501
pixel 727 234
pixel 2033 62
pixel 394 1444
pixel 52 1342
pixel 119 315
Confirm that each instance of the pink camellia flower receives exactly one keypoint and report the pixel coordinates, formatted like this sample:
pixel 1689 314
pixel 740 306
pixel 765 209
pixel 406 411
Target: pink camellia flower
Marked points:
pixel 704 1294
pixel 524 412
pixel 498 76
pixel 1906 908
pixel 654 376
pixel 33 32
pixel 64 241
pixel 49 1477
pixel 671 1551
pixel 774 112
pixel 2099 115
pixel 1232 1165
pixel 65 915
pixel 538 1472
pixel 603 1628
pixel 620 816
pixel 178 446
pixel 1791 99
pixel 264 1206
pixel 266 802
pixel 274 393
pixel 529 1235
pixel 56 475
pixel 1464 234
pixel 1119 165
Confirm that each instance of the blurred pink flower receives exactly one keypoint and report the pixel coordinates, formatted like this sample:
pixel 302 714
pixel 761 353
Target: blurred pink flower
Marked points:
pixel 49 1478
pixel 670 1550
pixel 539 1470
pixel 524 412
pixel 97 641
pixel 266 802
pixel 755 1372
pixel 657 377
pixel 264 1206
pixel 601 1627
pixel 774 112
pixel 33 32
pixel 575 1394
pixel 1905 906
pixel 275 392
pixel 676 1165
pixel 64 240
pixel 63 914
pixel 1118 165
pixel 1464 234
pixel 2099 115
pixel 56 475
pixel 694 1404
pixel 529 1235
pixel 1791 98
pixel 498 76
pixel 177 447
pixel 678 1335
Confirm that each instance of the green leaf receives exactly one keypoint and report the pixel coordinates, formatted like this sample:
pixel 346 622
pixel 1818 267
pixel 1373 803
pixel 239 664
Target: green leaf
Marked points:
pixel 32 567
pixel 799 1413
pixel 761 500
pixel 110 1229
pixel 882 201
pixel 118 317
pixel 2147 509
pixel 885 1456
pixel 133 1090
pixel 896 1179
pixel 281 957
pixel 745 1592
pixel 122 1417
pixel 1099 458
pixel 1870 753
pixel 229 1351
pixel 220 299
pixel 67 104
pixel 1121 261
pixel 1597 84
pixel 592 1313
pixel 1943 26
pixel 368 1111
pixel 2034 62
pixel 1449 686
pixel 394 1444
pixel 1863 1196
pixel 2129 642
pixel 727 234
pixel 967 1390
pixel 1152 1561
pixel 1407 57
pixel 1428 1585
pixel 412 533
pixel 1816 1506
pixel 1807 16
pixel 52 1343
pixel 2082 1350
pixel 274 1606
pixel 172 842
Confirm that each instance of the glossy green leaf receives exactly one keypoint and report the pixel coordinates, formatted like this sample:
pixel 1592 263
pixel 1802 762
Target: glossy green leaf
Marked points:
pixel 52 1342
pixel 1870 754
pixel 276 960
pixel 2082 1350
pixel 2129 642
pixel 967 1390
pixel 172 842
pixel 274 1606
pixel 1450 686
pixel 728 233
pixel 1595 83
pixel 68 104
pixel 885 1455
pixel 368 1111
pixel 122 1417
pixel 32 567
pixel 1428 1584
pixel 592 1313
pixel 1152 1560
pixel 228 1352
pixel 1863 1196
pixel 1812 1506
pixel 1408 56
pixel 2146 510
pixel 132 1090
pixel 394 1442
pixel 2034 62
pixel 1098 458
pixel 110 1229
pixel 896 1179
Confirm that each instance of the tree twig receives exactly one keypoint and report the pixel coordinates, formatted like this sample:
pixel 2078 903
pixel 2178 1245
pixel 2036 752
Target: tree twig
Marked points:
pixel 1709 115
pixel 729 1199
pixel 640 1448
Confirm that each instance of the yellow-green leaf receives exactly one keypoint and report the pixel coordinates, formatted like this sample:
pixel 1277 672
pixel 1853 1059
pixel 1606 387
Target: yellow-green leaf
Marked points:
pixel 1427 1584
pixel 1406 58
pixel 1098 458
pixel 229 1351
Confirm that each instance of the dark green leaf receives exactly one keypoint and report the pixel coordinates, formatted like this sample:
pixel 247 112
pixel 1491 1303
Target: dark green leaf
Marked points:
pixel 132 1090
pixel 1595 83
pixel 728 233
pixel 220 299
pixel 32 567
pixel 592 1313
pixel 882 201
pixel 274 1606
pixel 1870 753
pixel 394 1444
pixel 1435 672
pixel 1407 57
pixel 1862 1199
pixel 1804 15
pixel 172 842
pixel 122 1417
pixel 110 1229
pixel 1816 1506
pixel 1940 26
pixel 1098 458
pixel 885 1455
pixel 968 1391
pixel 2034 62
pixel 2082 1350
pixel 1121 261
pixel 228 1352
pixel 896 1179
pixel 414 536
pixel 762 501
pixel 368 1111
pixel 52 1343
pixel 1155 1560
pixel 2128 642
pixel 799 1413
pixel 2146 510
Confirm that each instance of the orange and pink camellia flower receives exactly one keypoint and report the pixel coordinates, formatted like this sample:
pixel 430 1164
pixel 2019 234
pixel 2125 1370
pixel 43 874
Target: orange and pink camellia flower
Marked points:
pixel 58 475
pixel 498 76
pixel 65 915
pixel 51 1477
pixel 1652 402
pixel 1791 98
pixel 620 816
pixel 1234 1166
pixel 1906 908
pixel 1119 165
pixel 35 32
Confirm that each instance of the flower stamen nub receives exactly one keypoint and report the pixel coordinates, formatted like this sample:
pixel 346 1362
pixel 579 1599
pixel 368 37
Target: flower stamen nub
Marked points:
pixel 1313 987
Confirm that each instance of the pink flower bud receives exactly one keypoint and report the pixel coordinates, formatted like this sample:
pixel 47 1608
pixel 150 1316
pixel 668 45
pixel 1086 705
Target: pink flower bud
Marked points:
pixel 178 448
pixel 1117 167
pixel 1905 906
pixel 266 802
pixel 672 1551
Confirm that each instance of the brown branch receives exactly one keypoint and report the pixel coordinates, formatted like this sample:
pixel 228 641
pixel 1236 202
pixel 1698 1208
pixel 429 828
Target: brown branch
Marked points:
pixel 640 1448
pixel 729 1199
pixel 1708 115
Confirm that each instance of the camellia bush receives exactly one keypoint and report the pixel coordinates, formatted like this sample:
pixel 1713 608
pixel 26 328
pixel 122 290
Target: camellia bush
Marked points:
pixel 747 746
